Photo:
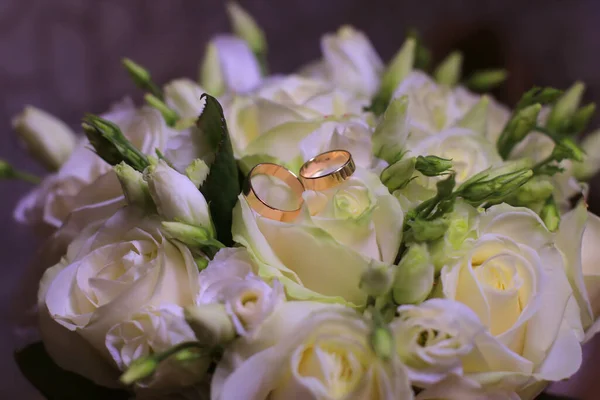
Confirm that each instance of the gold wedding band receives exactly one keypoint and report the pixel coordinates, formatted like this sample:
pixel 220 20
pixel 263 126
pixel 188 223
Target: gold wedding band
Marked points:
pixel 327 170
pixel 260 206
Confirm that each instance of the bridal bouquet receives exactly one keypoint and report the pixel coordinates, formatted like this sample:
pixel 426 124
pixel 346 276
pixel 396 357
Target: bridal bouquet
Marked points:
pixel 354 230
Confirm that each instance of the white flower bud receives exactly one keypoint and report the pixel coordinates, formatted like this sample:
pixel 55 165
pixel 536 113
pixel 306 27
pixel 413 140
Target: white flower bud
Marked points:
pixel 47 138
pixel 183 96
pixel 246 28
pixel 211 323
pixel 414 276
pixel 176 197
pixel 134 187
pixel 229 64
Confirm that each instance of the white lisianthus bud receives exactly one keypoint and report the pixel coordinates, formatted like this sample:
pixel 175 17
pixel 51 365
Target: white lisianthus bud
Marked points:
pixel 176 197
pixel 351 61
pixel 47 138
pixel 229 64
pixel 476 119
pixel 377 279
pixel 135 188
pixel 414 276
pixel 246 28
pixel 448 72
pixel 565 107
pixel 211 323
pixel 591 163
pixel 183 96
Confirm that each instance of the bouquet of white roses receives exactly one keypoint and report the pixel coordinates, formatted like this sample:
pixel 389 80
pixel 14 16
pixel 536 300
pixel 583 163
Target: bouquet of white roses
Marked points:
pixel 351 231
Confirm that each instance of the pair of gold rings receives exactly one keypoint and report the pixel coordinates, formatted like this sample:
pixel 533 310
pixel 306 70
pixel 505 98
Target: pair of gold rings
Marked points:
pixel 322 172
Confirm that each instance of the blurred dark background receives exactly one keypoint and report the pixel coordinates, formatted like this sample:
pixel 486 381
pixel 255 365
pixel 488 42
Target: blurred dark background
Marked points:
pixel 64 56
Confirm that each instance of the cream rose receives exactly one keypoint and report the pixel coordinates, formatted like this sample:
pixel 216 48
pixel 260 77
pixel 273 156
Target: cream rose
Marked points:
pixel 111 272
pixel 307 350
pixel 351 134
pixel 512 276
pixel 229 279
pixel 274 118
pixel 323 254
pixel 57 196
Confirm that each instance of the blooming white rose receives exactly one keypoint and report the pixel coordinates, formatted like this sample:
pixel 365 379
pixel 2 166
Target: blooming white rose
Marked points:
pixel 350 134
pixel 512 276
pixel 111 272
pixel 280 113
pixel 248 300
pixel 578 241
pixel 432 338
pixel 307 350
pixel 351 62
pixel 323 254
pixel 47 138
pixel 150 331
pixel 56 197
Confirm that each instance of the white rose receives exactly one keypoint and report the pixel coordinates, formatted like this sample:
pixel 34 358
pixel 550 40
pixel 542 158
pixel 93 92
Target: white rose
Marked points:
pixel 308 350
pixel 155 330
pixel 56 197
pixel 47 138
pixel 578 241
pixel 432 338
pixel 281 112
pixel 512 276
pixel 350 134
pixel 323 254
pixel 351 62
pixel 248 300
pixel 111 272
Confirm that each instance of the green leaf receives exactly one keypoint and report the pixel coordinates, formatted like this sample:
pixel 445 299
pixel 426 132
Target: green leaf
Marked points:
pixel 55 383
pixel 222 185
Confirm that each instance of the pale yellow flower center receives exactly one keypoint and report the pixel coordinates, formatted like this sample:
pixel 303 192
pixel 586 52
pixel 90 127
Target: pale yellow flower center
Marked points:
pixel 336 369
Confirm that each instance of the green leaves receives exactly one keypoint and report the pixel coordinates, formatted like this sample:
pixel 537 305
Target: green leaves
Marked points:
pixel 539 95
pixel 222 185
pixel 521 123
pixel 110 143
pixel 55 383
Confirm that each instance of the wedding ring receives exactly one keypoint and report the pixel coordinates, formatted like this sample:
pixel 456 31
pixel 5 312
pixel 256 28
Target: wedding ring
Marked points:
pixel 327 170
pixel 259 205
